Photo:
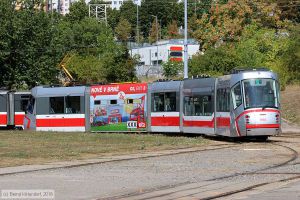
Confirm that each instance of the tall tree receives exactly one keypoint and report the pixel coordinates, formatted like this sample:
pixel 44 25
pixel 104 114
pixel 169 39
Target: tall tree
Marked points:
pixel 154 32
pixel 165 10
pixel 289 10
pixel 173 32
pixel 128 11
pixel 30 56
pixel 123 30
pixel 113 17
pixel 78 11
pixel 225 22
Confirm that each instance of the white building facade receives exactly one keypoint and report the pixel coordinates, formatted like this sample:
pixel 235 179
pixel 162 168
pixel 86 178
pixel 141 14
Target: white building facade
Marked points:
pixel 152 56
pixel 164 51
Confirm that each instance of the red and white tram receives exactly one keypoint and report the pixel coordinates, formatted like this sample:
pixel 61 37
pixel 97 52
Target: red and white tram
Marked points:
pixel 12 108
pixel 245 103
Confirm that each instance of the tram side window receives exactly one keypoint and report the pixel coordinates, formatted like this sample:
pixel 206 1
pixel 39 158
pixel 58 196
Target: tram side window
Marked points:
pixel 21 103
pixel 30 105
pixel 72 104
pixel 223 100
pixel 199 105
pixel 56 105
pixel 170 101
pixel 159 102
pixel 164 102
pixel 97 102
pixel 236 95
pixel 3 102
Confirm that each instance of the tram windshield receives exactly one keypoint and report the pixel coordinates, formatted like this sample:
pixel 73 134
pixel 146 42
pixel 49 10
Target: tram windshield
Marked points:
pixel 261 93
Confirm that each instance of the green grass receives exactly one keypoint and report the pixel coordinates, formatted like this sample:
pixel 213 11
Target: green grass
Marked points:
pixel 111 127
pixel 24 147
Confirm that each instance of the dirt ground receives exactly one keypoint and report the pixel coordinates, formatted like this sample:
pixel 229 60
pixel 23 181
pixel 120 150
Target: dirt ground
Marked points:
pixel 290 103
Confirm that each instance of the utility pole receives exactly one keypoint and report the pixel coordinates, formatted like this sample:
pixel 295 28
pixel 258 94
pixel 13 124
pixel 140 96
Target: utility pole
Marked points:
pixel 137 23
pixel 185 41
pixel 156 38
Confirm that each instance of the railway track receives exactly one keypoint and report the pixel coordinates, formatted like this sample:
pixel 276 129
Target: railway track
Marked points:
pixel 195 190
pixel 176 152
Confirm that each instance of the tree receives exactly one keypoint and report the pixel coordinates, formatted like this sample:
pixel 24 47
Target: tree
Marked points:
pixel 225 22
pixel 258 47
pixel 291 58
pixel 153 37
pixel 290 10
pixel 78 11
pixel 86 32
pixel 99 58
pixel 113 17
pixel 172 69
pixel 215 61
pixel 173 30
pixel 29 57
pixel 128 11
pixel 87 69
pixel 264 47
pixel 165 10
pixel 123 30
pixel 6 15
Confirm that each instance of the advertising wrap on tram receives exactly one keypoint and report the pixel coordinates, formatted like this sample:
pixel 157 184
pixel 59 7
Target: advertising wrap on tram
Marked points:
pixel 118 107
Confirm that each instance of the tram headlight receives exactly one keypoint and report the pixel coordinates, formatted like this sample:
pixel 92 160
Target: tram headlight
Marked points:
pixel 247 119
pixel 277 118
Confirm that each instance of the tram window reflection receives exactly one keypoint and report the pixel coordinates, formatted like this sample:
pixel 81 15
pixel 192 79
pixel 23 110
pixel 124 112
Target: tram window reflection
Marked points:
pixel 164 102
pixel 198 105
pixel 56 105
pixel 72 104
pixel 236 95
pixel 223 100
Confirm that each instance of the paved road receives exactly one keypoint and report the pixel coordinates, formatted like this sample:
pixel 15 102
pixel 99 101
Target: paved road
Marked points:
pixel 190 176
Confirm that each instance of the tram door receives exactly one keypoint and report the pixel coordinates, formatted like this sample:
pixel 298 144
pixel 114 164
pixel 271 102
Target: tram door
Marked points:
pixel 222 121
pixel 165 112
pixel 21 101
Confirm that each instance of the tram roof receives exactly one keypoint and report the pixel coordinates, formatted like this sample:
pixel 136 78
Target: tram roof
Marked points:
pixel 165 86
pixel 42 91
pixel 199 82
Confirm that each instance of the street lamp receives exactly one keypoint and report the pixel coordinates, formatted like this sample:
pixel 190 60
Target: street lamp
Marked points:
pixel 156 39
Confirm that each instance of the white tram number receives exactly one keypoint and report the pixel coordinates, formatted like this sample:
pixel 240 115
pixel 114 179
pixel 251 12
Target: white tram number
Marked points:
pixel 131 124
